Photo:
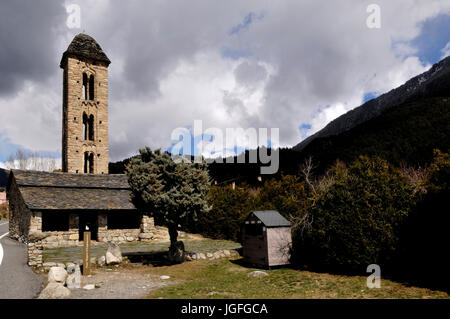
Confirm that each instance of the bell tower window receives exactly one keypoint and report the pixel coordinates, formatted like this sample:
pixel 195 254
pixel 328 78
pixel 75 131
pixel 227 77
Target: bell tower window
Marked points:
pixel 88 163
pixel 91 88
pixel 85 126
pixel 88 127
pixel 85 86
pixel 91 127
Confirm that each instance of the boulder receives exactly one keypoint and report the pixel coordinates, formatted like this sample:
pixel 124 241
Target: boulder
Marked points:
pixel 258 274
pixel 176 253
pixel 54 290
pixel 113 254
pixel 57 274
pixel 101 261
pixel 201 256
pixel 70 267
pixel 73 281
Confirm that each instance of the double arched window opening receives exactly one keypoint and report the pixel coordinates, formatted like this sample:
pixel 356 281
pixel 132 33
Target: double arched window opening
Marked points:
pixel 88 87
pixel 88 163
pixel 88 127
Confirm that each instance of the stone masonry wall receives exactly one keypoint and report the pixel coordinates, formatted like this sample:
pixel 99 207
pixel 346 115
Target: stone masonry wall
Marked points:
pixel 20 215
pixel 37 240
pixel 74 106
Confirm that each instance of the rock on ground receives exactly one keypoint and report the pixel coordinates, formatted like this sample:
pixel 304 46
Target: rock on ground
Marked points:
pixel 258 274
pixel 113 254
pixel 73 281
pixel 57 274
pixel 89 287
pixel 101 261
pixel 54 290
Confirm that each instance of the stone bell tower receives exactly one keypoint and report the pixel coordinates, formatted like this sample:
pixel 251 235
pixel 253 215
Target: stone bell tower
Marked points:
pixel 85 107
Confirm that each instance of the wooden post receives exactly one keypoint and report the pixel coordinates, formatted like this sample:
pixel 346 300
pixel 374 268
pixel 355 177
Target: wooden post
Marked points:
pixel 87 254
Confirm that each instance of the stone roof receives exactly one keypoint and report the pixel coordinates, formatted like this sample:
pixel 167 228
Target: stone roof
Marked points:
pixel 84 46
pixel 66 191
pixel 70 180
pixel 271 218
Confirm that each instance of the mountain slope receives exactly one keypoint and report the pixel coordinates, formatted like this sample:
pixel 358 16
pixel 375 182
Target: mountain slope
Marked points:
pixel 434 82
pixel 405 134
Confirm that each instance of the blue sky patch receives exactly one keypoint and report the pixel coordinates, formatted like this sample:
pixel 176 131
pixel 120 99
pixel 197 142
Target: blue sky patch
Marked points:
pixel 248 20
pixel 369 96
pixel 432 39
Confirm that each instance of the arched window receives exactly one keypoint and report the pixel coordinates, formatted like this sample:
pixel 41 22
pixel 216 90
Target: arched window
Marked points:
pixel 85 126
pixel 91 127
pixel 85 86
pixel 91 88
pixel 88 163
pixel 91 163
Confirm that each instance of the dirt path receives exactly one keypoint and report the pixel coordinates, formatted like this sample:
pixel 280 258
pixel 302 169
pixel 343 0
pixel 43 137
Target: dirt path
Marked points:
pixel 120 283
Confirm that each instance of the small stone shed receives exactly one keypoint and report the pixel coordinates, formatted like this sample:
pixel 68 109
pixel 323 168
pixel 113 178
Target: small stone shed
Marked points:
pixel 57 207
pixel 266 239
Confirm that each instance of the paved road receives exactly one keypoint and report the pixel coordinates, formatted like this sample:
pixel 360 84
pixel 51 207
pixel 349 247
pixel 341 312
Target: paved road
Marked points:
pixel 17 280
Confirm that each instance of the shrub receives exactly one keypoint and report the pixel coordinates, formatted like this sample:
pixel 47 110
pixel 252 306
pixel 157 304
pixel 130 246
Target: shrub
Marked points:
pixel 426 237
pixel 4 213
pixel 287 196
pixel 355 218
pixel 229 209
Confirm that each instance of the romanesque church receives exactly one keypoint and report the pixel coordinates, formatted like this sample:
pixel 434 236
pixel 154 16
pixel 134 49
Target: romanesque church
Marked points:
pixel 54 209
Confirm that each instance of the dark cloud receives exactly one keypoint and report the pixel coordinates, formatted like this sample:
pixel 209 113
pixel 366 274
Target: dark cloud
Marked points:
pixel 28 33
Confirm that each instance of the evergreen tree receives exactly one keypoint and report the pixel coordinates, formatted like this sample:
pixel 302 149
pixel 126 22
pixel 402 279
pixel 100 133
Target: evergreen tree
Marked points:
pixel 172 192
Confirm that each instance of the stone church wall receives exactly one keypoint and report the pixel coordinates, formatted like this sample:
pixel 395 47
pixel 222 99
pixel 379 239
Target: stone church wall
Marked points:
pixel 20 215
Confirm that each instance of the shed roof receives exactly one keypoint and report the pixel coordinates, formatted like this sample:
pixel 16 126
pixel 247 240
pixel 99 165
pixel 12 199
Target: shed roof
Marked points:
pixel 85 46
pixel 271 218
pixel 66 191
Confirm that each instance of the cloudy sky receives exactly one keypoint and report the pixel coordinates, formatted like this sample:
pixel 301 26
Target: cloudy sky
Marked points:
pixel 292 65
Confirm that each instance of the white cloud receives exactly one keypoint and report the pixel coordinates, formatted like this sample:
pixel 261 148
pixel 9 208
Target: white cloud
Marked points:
pixel 446 51
pixel 168 69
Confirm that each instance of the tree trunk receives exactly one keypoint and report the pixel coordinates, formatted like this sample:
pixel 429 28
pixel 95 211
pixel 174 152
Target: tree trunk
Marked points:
pixel 173 233
pixel 176 250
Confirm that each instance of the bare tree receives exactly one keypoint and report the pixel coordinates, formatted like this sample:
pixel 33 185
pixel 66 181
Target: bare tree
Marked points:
pixel 307 169
pixel 416 176
pixel 31 161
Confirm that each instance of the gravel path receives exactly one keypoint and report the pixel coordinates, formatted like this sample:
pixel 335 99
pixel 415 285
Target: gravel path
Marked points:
pixel 119 284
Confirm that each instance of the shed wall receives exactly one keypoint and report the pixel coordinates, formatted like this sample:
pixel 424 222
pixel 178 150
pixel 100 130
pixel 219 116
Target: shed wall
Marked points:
pixel 278 244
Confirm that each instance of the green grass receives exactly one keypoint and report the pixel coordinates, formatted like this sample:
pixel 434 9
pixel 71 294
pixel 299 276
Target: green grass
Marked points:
pixel 225 279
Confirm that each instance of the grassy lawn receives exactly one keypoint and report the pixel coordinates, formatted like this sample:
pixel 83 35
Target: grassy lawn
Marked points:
pixel 227 279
